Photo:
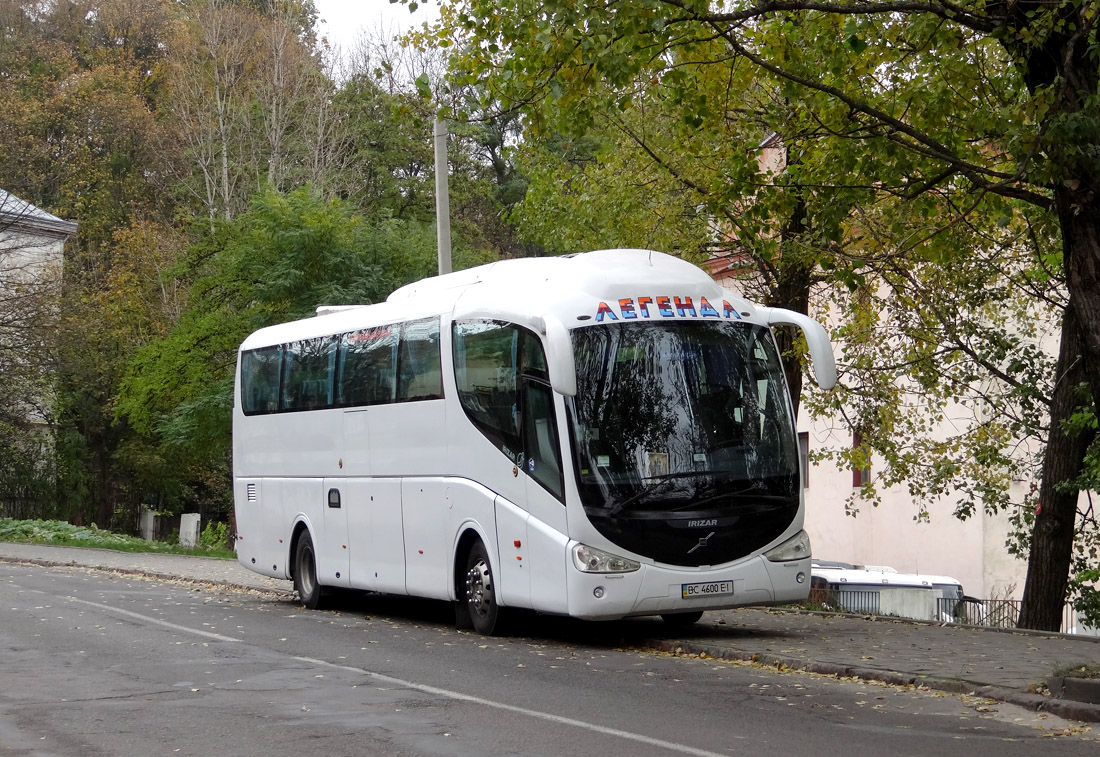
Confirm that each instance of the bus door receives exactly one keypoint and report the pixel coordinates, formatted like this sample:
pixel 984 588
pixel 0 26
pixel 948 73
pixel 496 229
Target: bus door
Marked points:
pixel 503 387
pixel 547 526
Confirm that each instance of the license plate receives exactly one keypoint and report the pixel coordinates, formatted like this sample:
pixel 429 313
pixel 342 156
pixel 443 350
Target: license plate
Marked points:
pixel 711 589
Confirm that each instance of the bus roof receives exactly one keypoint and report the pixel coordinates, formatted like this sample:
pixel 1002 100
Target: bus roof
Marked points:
pixel 858 576
pixel 577 290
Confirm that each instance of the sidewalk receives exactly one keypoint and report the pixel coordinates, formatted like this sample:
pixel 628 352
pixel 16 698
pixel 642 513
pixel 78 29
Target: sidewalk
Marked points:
pixel 1009 666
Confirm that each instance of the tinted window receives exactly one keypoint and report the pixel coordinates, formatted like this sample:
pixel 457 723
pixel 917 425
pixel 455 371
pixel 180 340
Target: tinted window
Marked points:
pixel 540 436
pixel 419 370
pixel 485 354
pixel 260 380
pixel 368 366
pixel 500 369
pixel 307 382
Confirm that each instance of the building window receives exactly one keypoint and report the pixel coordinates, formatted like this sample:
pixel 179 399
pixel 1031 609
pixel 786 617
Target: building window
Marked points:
pixel 860 476
pixel 804 456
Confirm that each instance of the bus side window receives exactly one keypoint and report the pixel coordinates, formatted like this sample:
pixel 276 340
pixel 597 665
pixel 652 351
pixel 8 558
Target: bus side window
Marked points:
pixel 486 371
pixel 419 370
pixel 368 365
pixel 540 437
pixel 260 380
pixel 307 374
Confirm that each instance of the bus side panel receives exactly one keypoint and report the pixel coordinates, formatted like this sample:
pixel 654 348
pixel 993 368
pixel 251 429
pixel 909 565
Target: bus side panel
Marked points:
pixel 425 515
pixel 355 448
pixel 514 577
pixel 304 498
pixel 547 550
pixel 288 444
pixel 375 541
pixel 471 507
pixel 408 438
pixel 334 538
pixel 257 510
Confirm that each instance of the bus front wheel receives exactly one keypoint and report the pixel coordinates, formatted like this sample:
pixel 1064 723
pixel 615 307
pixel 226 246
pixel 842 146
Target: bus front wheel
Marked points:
pixel 481 601
pixel 310 591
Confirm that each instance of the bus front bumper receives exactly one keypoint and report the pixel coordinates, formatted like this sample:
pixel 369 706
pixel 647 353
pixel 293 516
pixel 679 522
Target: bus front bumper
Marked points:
pixel 652 590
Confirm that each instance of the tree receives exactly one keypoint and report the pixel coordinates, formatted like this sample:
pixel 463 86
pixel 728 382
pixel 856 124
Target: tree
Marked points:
pixel 276 262
pixel 393 91
pixel 78 90
pixel 30 269
pixel 966 103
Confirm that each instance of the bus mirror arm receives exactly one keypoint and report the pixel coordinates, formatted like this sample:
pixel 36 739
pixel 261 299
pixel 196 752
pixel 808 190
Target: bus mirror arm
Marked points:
pixel 559 357
pixel 817 340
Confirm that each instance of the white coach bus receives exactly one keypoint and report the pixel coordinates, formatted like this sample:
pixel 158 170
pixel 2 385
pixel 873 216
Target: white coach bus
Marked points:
pixel 600 435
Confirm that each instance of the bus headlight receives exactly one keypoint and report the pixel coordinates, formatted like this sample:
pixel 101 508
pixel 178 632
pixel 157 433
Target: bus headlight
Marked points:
pixel 591 560
pixel 795 548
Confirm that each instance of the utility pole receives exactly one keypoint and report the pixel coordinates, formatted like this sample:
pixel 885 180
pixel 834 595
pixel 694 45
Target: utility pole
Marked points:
pixel 442 198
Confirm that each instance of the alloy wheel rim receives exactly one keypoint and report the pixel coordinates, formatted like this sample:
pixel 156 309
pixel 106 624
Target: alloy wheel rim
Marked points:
pixel 479 590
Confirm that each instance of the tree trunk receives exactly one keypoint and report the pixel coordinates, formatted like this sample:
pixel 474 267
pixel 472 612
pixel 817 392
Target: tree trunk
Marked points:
pixel 1064 62
pixel 793 293
pixel 1079 219
pixel 791 290
pixel 1052 535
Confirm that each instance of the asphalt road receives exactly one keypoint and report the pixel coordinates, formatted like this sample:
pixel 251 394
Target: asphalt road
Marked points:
pixel 93 663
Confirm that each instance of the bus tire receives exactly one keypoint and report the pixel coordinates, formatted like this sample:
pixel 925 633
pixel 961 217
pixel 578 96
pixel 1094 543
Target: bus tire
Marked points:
pixel 682 619
pixel 310 591
pixel 480 591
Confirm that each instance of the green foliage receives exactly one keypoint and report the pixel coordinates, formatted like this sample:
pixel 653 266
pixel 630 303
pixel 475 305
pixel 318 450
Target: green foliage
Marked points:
pixel 276 262
pixel 135 117
pixel 28 475
pixel 59 533
pixel 215 535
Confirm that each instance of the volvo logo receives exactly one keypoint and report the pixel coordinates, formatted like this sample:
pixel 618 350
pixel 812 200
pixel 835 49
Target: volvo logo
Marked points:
pixel 702 542
pixel 702 523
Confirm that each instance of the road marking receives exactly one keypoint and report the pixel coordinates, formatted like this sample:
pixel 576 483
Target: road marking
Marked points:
pixel 157 621
pixel 434 690
pixel 616 732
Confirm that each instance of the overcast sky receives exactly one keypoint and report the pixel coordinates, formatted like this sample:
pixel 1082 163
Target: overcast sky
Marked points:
pixel 342 20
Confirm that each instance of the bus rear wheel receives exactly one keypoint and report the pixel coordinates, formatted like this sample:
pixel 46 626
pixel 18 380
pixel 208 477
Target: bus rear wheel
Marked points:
pixel 480 587
pixel 310 591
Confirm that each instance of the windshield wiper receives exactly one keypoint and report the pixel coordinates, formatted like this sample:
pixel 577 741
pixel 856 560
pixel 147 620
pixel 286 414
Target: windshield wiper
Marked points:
pixel 755 498
pixel 659 483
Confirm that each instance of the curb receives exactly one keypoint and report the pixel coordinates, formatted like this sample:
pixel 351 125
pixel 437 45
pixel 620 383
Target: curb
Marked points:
pixel 1064 708
pixel 937 624
pixel 148 574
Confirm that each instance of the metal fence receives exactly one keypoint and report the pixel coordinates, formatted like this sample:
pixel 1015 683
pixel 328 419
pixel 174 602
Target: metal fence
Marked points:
pixel 1000 613
pixel 846 600
pixel 992 613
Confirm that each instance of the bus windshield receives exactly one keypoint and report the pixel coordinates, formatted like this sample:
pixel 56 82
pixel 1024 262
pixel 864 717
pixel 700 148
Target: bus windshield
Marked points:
pixel 683 420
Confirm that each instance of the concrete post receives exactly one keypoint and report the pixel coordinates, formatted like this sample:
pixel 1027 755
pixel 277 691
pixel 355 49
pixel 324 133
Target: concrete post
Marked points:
pixel 148 525
pixel 189 529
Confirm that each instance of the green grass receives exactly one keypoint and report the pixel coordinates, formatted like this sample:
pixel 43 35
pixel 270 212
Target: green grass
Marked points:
pixel 59 533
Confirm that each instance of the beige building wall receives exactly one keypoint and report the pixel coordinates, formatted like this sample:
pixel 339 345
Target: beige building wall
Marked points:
pixel 972 551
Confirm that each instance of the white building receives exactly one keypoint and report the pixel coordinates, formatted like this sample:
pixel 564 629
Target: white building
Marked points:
pixel 31 253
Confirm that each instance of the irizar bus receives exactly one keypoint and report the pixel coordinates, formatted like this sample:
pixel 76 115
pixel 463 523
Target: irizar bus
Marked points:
pixel 600 435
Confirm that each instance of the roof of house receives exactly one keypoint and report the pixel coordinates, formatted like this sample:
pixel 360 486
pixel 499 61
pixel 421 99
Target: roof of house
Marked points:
pixel 23 216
